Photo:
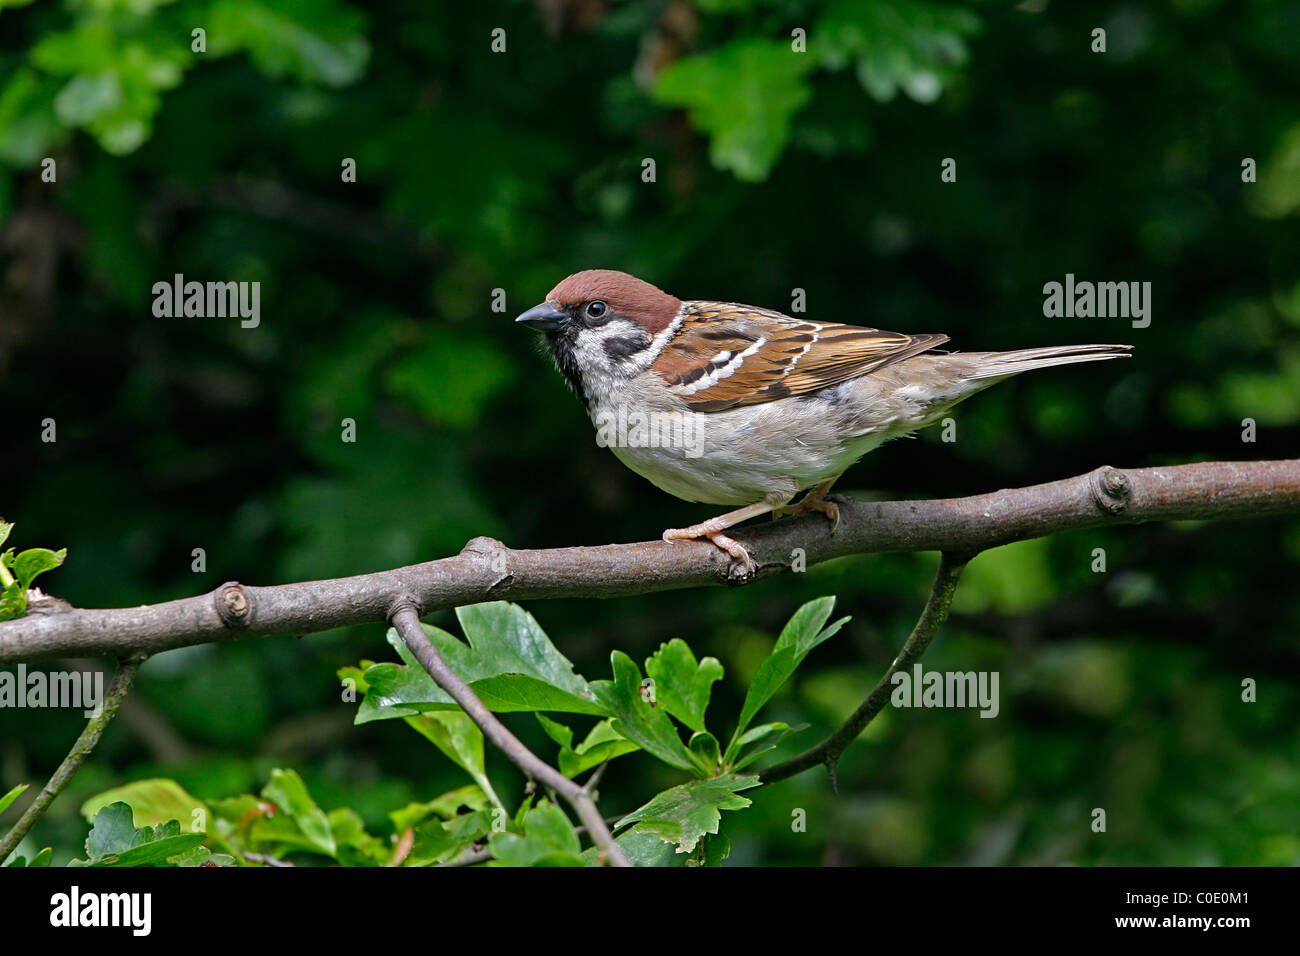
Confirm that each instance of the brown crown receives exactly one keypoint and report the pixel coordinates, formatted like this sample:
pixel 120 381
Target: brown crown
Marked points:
pixel 626 295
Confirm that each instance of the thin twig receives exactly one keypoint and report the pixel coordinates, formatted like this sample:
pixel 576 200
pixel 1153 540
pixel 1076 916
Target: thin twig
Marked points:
pixel 266 860
pixel 487 570
pixel 406 619
pixel 932 617
pixel 118 688
pixel 468 858
pixel 594 779
pixel 403 848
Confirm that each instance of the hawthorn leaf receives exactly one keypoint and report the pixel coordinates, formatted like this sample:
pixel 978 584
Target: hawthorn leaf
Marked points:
pixel 801 634
pixel 602 743
pixel 685 813
pixel 509 663
pixel 743 94
pixel 682 684
pixel 7 800
pixel 644 724
pixel 548 839
pixel 458 737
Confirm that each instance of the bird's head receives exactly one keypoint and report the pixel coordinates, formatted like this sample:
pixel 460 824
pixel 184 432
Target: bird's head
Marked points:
pixel 603 327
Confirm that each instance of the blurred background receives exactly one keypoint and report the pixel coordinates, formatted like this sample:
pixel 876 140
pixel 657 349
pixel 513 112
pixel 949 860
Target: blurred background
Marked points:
pixel 479 170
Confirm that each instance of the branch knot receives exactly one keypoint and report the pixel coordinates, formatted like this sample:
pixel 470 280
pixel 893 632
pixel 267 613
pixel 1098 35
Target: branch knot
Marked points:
pixel 483 545
pixel 233 605
pixel 496 555
pixel 1110 489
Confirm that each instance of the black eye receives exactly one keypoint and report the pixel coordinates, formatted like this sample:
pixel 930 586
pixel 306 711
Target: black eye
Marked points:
pixel 596 309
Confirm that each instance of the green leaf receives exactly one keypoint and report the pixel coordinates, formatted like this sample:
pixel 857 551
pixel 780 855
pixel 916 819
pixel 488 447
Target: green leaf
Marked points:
pixel 13 601
pixel 445 807
pixel 602 743
pixel 151 801
pixel 114 841
pixel 509 662
pixel 743 95
pixel 298 822
pixel 18 571
pixel 560 733
pixel 716 849
pixel 314 40
pixel 201 856
pixel 801 634
pixel 241 810
pixel 687 812
pixel 87 97
pixel 683 685
pixel 648 726
pixel 157 851
pixel 36 561
pixel 549 839
pixel 912 45
pixel 111 831
pixel 517 644
pixel 90 48
pixel 115 79
pixel 642 848
pixel 705 747
pixel 40 859
pixel 356 847
pixel 7 800
pixel 1277 193
pixel 459 738
pixel 757 741
pixel 436 841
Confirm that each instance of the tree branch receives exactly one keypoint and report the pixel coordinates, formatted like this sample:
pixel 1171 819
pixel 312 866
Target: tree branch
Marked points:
pixel 487 570
pixel 118 688
pixel 932 617
pixel 406 619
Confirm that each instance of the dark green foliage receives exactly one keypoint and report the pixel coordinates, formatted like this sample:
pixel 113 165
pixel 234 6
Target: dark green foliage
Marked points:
pixel 775 171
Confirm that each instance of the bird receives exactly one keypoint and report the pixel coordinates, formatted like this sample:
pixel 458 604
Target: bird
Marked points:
pixel 729 404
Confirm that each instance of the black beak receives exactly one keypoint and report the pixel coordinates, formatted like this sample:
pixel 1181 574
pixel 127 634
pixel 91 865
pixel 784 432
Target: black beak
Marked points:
pixel 543 318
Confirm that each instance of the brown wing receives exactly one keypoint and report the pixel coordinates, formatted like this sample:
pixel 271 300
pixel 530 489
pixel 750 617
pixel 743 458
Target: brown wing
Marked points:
pixel 726 355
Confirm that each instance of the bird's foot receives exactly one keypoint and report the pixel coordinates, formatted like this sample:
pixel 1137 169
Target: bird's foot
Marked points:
pixel 812 502
pixel 707 529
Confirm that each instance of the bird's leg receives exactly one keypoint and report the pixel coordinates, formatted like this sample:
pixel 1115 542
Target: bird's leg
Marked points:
pixel 814 500
pixel 713 528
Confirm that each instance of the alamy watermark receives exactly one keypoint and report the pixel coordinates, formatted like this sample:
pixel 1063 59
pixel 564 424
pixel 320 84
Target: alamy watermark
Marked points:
pixel 209 300
pixel 630 428
pixel 133 911
pixel 77 689
pixel 946 689
pixel 1102 300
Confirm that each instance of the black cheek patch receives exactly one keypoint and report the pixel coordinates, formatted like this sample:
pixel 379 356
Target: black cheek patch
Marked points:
pixel 623 347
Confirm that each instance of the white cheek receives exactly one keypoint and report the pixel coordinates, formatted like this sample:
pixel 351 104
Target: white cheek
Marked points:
pixel 590 350
pixel 600 373
pixel 590 344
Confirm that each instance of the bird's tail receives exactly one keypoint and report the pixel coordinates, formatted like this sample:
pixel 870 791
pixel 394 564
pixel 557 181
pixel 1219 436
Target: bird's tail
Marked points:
pixel 1004 364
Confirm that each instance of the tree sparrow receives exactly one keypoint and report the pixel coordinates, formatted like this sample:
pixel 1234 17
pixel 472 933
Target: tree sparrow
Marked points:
pixel 736 405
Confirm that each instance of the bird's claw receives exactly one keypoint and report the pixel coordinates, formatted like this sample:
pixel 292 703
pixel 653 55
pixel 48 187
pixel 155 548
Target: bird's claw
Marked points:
pixel 728 544
pixel 803 506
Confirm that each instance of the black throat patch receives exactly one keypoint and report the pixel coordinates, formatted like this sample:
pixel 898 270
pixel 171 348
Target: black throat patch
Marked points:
pixel 562 351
